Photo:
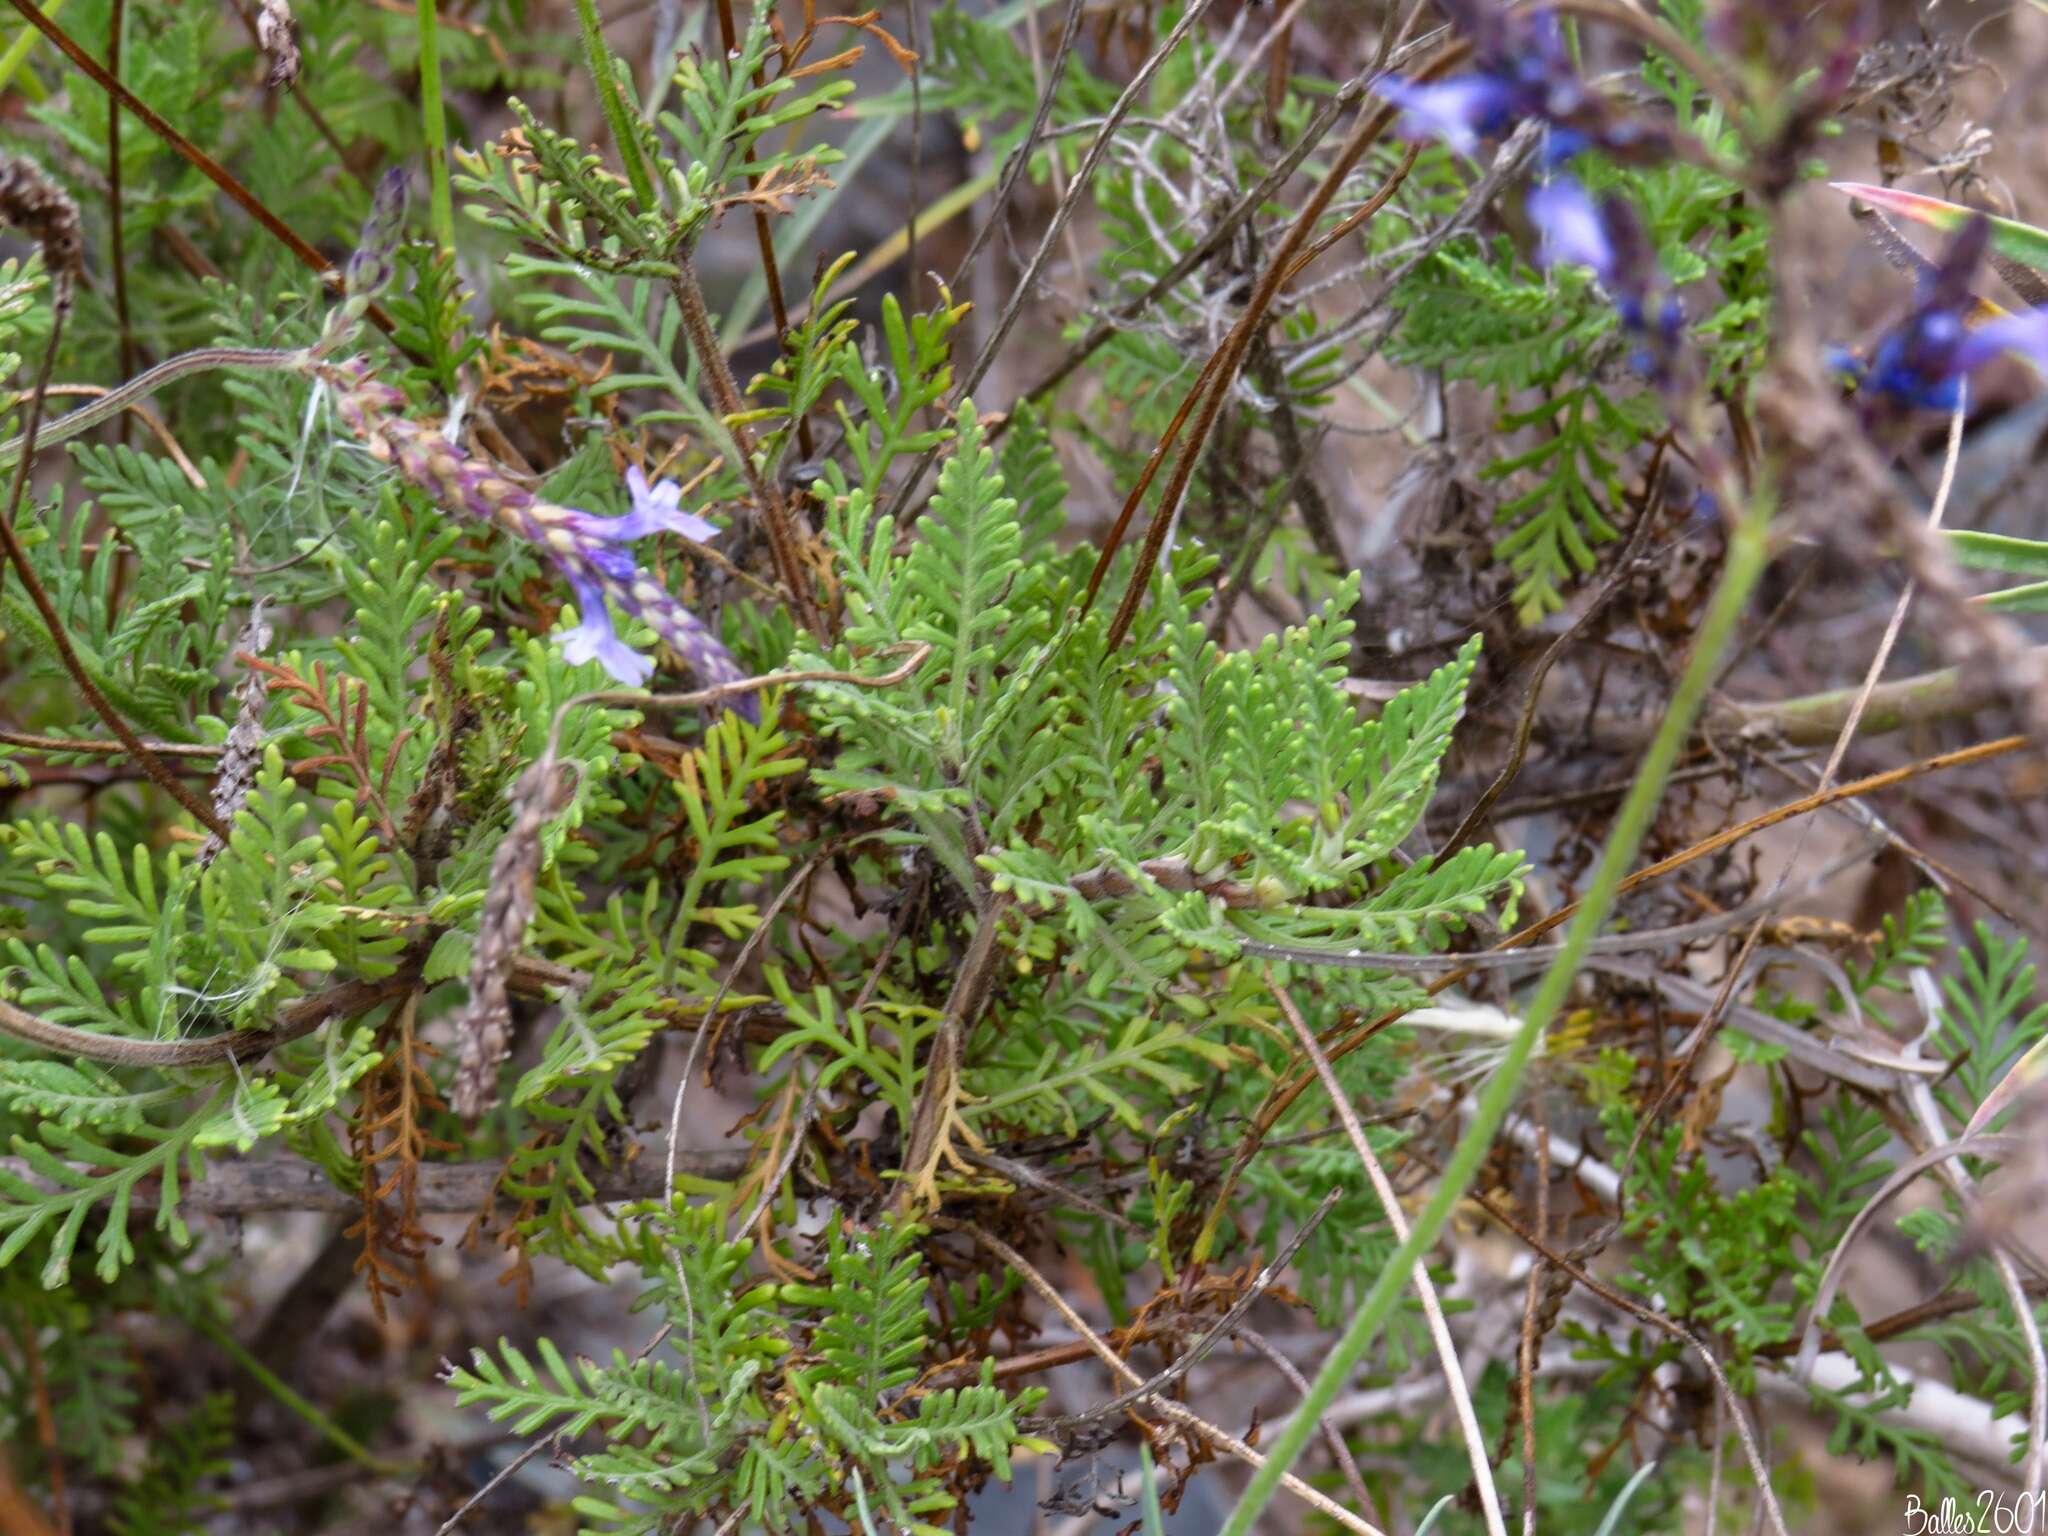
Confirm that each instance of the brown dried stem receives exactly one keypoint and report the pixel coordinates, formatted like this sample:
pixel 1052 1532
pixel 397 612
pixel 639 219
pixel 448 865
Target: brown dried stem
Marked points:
pixel 299 1019
pixel 1205 400
pixel 928 1138
pixel 784 545
pixel 117 255
pixel 764 237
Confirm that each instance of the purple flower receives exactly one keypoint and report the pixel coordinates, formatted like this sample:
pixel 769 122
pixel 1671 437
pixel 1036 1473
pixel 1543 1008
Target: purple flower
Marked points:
pixel 1524 71
pixel 2026 334
pixel 594 639
pixel 659 508
pixel 1921 363
pixel 1461 110
pixel 655 510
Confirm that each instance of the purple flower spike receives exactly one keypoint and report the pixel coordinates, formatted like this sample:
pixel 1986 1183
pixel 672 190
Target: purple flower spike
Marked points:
pixel 1523 71
pixel 588 550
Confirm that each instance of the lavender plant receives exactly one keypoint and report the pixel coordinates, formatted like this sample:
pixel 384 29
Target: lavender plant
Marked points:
pixel 771 847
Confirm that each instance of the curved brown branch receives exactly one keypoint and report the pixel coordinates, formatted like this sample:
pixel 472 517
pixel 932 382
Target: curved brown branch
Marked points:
pixel 300 1019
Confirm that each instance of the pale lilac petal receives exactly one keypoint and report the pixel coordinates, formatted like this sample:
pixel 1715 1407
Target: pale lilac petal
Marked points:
pixel 2026 334
pixel 659 507
pixel 594 639
pixel 1571 227
pixel 663 494
pixel 1460 111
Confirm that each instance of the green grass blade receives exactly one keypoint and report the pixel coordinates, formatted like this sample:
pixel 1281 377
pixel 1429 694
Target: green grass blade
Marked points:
pixel 2032 598
pixel 1997 552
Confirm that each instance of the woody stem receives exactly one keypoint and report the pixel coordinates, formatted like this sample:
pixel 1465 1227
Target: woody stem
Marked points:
pixel 783 544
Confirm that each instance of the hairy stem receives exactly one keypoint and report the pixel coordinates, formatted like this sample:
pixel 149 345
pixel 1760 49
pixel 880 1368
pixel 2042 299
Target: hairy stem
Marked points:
pixel 117 255
pixel 147 383
pixel 624 133
pixel 764 237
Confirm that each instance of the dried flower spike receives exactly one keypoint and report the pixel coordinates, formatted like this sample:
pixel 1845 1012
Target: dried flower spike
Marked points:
pixel 31 202
pixel 244 754
pixel 277 36
pixel 373 263
pixel 484 1026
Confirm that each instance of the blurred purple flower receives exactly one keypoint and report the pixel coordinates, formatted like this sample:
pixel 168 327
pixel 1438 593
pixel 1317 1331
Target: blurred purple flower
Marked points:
pixel 1921 363
pixel 1524 71
pixel 1572 229
pixel 1609 238
pixel 1461 110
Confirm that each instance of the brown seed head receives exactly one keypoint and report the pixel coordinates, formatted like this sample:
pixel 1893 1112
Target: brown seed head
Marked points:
pixel 36 205
pixel 276 36
pixel 484 1026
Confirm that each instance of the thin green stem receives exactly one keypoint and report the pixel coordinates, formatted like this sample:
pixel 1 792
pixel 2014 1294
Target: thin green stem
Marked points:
pixel 625 133
pixel 272 1383
pixel 1746 560
pixel 434 126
